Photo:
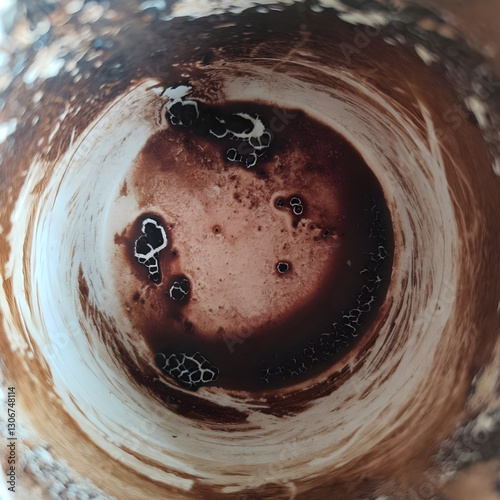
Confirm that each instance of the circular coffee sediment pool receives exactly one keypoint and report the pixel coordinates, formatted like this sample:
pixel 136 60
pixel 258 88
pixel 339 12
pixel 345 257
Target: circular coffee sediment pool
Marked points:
pixel 250 252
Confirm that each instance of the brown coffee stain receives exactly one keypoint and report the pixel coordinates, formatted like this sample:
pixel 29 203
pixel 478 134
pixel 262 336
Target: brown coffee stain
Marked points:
pixel 467 340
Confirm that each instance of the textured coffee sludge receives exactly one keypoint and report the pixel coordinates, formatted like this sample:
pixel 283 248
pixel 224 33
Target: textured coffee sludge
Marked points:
pixel 249 263
pixel 335 281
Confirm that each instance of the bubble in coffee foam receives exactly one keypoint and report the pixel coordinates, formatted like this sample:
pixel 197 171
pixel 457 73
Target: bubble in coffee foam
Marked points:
pixel 251 160
pixel 147 247
pixel 283 267
pixel 180 111
pixel 179 289
pixel 262 141
pixel 245 126
pixel 191 371
pixel 232 155
pixel 240 126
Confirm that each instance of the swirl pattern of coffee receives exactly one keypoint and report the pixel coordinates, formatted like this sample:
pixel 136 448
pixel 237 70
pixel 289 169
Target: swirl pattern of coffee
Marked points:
pixel 257 262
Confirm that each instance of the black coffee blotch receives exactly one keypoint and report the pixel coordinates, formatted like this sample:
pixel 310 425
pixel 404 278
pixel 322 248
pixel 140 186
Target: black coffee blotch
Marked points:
pixel 149 244
pixel 153 234
pixel 179 289
pixel 176 294
pixel 142 246
pixel 238 124
pixel 283 267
